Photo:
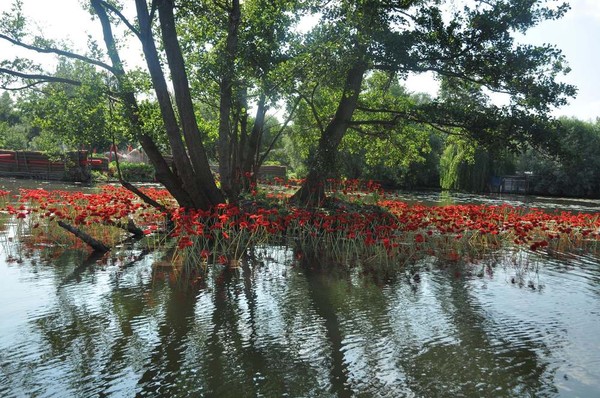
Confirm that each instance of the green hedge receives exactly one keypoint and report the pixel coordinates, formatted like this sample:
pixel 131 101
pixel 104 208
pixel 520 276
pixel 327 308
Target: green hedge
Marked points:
pixel 133 172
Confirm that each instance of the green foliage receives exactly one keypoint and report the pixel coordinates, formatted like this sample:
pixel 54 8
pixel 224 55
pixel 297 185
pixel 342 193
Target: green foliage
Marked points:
pixel 98 176
pixel 153 124
pixel 15 131
pixel 419 173
pixel 13 137
pixel 8 113
pixel 133 172
pixel 75 116
pixel 232 63
pixel 574 167
pixel 381 144
pixel 291 155
pixel 386 141
pixel 464 166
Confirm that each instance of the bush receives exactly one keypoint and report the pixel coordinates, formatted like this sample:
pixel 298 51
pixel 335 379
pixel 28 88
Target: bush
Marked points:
pixel 133 172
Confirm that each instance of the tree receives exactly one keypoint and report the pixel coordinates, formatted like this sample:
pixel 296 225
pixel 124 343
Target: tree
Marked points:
pixel 471 45
pixel 8 114
pixel 373 147
pixel 15 128
pixel 572 167
pixel 73 115
pixel 190 180
pixel 236 59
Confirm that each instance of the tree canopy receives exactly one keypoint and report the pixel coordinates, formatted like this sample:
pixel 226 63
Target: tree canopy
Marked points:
pixel 214 70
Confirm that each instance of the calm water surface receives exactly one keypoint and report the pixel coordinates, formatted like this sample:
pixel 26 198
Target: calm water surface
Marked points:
pixel 73 328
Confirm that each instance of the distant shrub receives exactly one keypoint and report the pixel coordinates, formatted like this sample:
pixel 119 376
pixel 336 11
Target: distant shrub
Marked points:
pixel 133 172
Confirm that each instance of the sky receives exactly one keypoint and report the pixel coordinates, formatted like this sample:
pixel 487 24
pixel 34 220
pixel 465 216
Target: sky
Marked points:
pixel 576 35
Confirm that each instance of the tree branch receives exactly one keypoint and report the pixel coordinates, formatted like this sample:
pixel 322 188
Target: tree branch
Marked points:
pixel 143 196
pixel 94 243
pixel 118 13
pixel 376 110
pixel 390 122
pixel 287 121
pixel 313 109
pixel 39 77
pixel 63 53
pixel 367 133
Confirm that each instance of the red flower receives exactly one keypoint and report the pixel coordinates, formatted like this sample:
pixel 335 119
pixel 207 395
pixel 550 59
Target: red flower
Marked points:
pixel 185 242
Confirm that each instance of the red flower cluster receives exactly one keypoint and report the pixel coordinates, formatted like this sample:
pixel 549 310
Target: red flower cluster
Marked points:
pixel 89 211
pixel 112 204
pixel 393 228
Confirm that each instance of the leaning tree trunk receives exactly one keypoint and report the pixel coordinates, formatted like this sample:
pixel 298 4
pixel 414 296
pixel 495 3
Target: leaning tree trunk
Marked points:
pixel 193 185
pixel 323 164
pixel 163 173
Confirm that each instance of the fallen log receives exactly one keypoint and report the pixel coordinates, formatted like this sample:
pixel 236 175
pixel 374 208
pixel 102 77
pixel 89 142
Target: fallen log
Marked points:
pixel 143 196
pixel 130 227
pixel 93 243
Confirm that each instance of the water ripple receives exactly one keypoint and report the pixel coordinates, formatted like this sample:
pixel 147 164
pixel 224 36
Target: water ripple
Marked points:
pixel 269 329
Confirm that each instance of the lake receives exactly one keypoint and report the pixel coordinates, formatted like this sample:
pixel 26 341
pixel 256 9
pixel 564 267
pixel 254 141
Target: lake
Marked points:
pixel 511 325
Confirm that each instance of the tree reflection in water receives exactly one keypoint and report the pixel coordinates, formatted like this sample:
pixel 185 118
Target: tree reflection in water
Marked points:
pixel 271 328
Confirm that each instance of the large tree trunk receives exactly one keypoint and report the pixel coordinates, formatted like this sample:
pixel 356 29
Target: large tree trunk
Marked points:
pixel 203 179
pixel 193 169
pixel 163 173
pixel 249 159
pixel 323 164
pixel 226 140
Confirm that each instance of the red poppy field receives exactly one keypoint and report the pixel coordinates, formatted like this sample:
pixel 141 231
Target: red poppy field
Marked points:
pixel 361 223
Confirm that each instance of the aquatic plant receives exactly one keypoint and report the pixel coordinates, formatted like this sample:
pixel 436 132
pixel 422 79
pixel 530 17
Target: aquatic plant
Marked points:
pixel 361 224
pixel 103 215
pixel 3 198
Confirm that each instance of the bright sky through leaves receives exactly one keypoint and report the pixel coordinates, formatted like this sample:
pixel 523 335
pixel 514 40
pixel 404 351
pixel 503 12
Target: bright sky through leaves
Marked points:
pixel 576 35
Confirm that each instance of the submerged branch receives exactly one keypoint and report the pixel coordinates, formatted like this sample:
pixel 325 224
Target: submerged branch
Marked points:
pixel 143 196
pixel 129 227
pixel 93 243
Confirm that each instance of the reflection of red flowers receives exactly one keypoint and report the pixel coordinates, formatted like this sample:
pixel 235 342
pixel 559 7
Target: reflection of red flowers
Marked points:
pixel 453 256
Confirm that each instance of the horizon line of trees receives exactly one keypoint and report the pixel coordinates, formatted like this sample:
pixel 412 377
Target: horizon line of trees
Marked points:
pixel 571 168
